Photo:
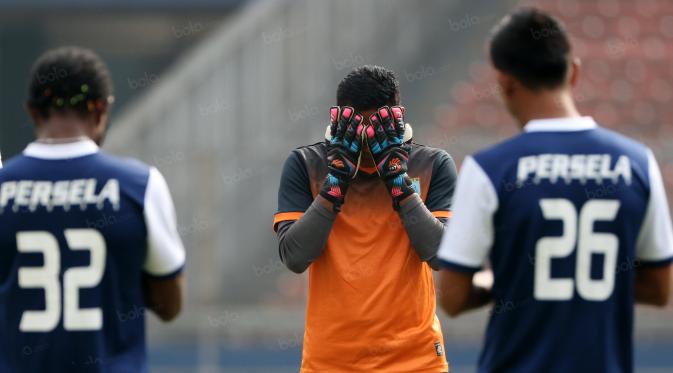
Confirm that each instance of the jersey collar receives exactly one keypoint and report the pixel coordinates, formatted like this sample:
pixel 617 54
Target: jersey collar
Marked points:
pixel 560 124
pixel 78 148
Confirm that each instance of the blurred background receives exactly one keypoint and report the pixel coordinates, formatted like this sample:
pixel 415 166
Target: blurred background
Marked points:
pixel 216 93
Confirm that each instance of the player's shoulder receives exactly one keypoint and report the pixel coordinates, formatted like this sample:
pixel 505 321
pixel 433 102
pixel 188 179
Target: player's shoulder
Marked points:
pixel 15 168
pixel 15 163
pixel 306 157
pixel 618 144
pixel 497 161
pixel 621 141
pixel 503 150
pixel 525 141
pixel 122 166
pixel 425 151
pixel 101 161
pixel 318 149
pixel 132 174
pixel 501 157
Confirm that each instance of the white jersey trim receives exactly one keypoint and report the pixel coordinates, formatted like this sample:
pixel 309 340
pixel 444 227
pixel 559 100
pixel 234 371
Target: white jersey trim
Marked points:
pixel 560 124
pixel 655 241
pixel 66 150
pixel 470 232
pixel 165 251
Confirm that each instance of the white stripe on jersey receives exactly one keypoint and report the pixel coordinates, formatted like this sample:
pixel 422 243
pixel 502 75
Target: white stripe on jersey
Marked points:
pixel 470 233
pixel 655 241
pixel 165 253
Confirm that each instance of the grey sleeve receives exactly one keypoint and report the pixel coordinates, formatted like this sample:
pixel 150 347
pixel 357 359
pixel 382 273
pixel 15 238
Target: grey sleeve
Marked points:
pixel 424 230
pixel 301 242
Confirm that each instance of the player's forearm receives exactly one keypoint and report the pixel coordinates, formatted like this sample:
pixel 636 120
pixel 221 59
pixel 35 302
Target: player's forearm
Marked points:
pixel 303 241
pixel 424 230
pixel 458 293
pixel 652 285
pixel 478 298
pixel 164 296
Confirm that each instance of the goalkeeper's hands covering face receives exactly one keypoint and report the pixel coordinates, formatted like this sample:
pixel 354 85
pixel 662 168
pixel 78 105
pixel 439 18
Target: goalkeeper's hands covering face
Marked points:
pixel 385 138
pixel 343 153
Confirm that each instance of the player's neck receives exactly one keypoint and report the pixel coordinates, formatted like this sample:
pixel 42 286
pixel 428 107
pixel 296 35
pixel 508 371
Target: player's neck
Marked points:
pixel 548 105
pixel 62 129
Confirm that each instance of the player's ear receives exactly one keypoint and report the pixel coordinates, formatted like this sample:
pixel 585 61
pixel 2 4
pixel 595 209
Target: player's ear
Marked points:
pixel 507 84
pixel 100 122
pixel 574 72
pixel 101 119
pixel 34 115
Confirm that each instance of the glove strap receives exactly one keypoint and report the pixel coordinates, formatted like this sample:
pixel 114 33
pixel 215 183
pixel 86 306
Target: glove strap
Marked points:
pixel 400 188
pixel 334 191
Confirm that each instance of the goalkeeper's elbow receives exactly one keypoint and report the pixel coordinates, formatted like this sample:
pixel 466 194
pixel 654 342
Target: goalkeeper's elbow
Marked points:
pixel 292 262
pixel 296 267
pixel 434 263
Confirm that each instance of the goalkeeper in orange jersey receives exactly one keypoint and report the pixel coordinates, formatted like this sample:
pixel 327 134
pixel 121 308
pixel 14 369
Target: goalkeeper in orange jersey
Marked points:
pixel 364 211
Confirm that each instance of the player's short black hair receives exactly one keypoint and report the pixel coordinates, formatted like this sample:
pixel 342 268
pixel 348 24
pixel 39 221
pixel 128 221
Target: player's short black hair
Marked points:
pixel 69 78
pixel 369 87
pixel 532 46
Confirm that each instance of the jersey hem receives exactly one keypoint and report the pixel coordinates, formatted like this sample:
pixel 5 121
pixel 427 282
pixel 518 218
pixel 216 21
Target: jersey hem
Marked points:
pixel 442 369
pixel 167 276
pixel 458 267
pixel 655 263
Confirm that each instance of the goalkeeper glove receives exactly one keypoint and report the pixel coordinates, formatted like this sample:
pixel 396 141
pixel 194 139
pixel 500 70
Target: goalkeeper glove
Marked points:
pixel 343 153
pixel 385 138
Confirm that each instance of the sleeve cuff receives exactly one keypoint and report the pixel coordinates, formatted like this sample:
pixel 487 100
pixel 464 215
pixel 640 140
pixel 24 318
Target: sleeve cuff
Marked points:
pixel 167 276
pixel 285 216
pixel 654 263
pixel 416 201
pixel 442 214
pixel 458 267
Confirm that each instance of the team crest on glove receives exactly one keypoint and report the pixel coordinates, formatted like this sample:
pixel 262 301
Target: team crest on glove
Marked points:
pixel 395 165
pixel 385 138
pixel 343 153
pixel 338 163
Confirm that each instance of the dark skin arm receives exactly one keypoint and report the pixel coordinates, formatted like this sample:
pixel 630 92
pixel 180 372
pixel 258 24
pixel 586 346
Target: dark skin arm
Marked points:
pixel 458 294
pixel 164 296
pixel 653 285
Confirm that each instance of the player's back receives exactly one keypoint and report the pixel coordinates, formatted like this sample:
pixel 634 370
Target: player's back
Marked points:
pixel 571 203
pixel 73 243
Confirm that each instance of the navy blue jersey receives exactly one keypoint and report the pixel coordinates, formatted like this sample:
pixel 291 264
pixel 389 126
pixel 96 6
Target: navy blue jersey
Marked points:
pixel 564 212
pixel 78 230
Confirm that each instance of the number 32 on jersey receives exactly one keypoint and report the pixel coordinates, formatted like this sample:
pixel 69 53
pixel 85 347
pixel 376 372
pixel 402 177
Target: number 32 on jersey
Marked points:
pixel 47 278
